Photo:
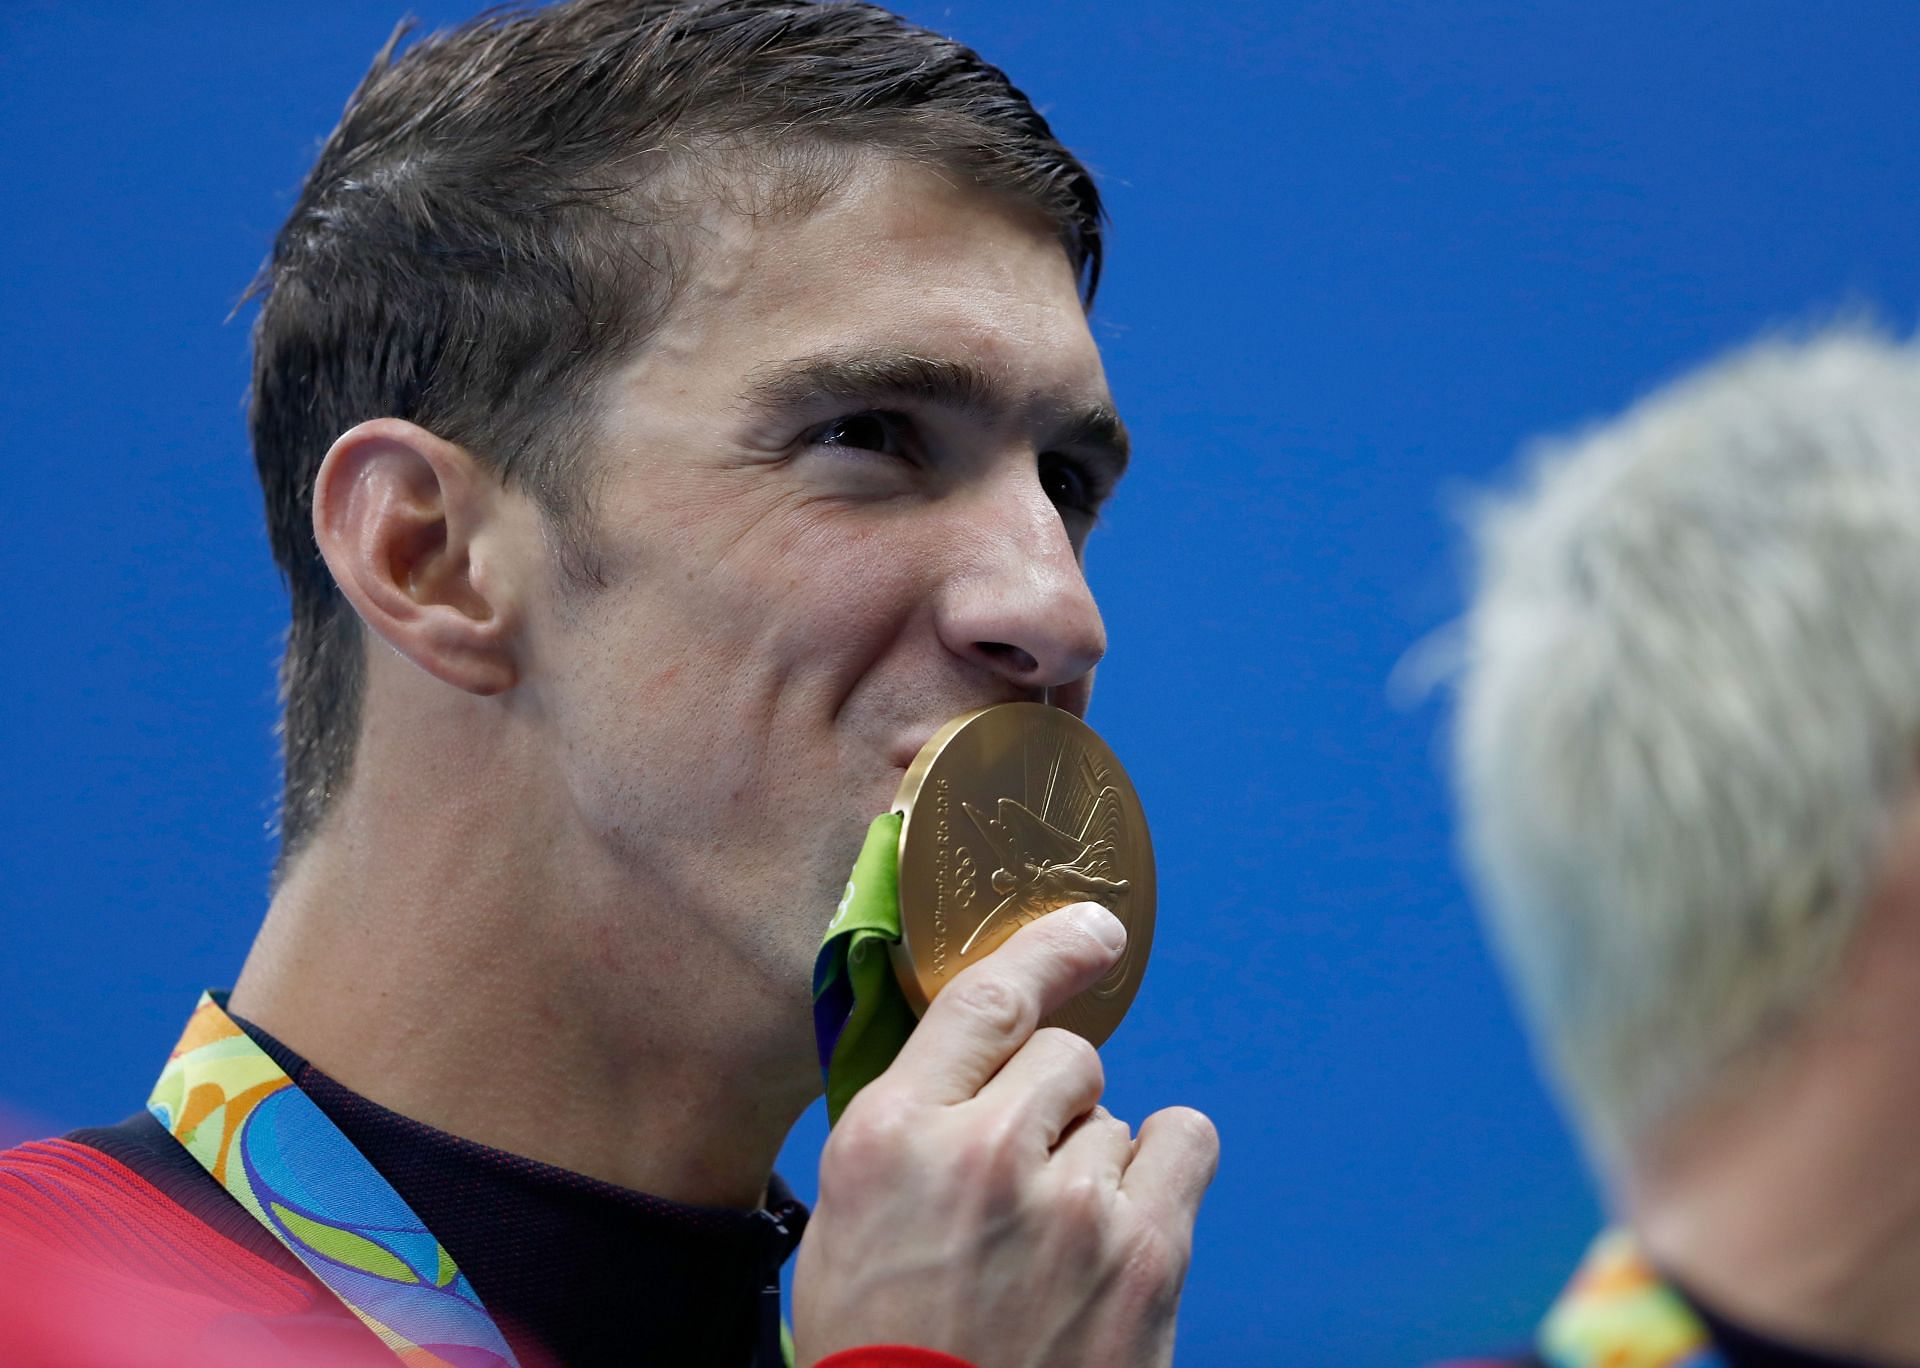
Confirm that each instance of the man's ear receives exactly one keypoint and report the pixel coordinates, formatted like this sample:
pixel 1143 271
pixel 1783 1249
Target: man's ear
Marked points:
pixel 412 527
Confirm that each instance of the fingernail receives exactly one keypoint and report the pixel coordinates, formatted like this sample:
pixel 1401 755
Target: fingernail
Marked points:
pixel 1102 924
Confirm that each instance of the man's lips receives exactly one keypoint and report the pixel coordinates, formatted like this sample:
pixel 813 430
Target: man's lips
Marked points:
pixel 908 750
pixel 909 744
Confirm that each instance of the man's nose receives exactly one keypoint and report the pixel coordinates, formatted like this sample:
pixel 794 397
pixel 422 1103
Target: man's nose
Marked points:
pixel 1018 603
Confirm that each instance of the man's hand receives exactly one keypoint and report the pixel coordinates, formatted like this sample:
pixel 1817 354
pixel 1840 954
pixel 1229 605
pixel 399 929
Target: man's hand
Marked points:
pixel 975 1198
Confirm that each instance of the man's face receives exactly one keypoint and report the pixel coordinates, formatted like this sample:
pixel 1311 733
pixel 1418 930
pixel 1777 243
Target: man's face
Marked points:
pixel 841 496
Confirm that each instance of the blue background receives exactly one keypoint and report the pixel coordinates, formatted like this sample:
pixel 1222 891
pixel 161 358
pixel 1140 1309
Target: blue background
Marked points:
pixel 1361 251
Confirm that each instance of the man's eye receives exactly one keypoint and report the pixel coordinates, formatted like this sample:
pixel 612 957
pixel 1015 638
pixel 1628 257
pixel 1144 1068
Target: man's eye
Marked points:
pixel 1066 483
pixel 881 432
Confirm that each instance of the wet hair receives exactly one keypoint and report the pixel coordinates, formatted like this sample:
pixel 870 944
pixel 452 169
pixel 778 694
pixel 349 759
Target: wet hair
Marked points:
pixel 495 223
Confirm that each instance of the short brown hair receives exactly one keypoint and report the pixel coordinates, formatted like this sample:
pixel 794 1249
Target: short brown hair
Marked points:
pixel 489 229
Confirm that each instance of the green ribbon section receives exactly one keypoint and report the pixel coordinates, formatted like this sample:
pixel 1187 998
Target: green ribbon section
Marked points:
pixel 860 1016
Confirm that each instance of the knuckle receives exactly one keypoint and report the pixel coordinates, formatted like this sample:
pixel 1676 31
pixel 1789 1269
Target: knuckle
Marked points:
pixel 872 1138
pixel 994 1158
pixel 1086 1061
pixel 1076 1051
pixel 1080 1205
pixel 993 1005
pixel 1068 1062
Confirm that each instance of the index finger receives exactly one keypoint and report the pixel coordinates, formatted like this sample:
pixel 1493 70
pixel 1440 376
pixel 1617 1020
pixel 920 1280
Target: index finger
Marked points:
pixel 988 1011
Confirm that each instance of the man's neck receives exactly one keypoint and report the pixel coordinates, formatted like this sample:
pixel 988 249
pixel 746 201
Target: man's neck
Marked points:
pixel 1794 1206
pixel 452 965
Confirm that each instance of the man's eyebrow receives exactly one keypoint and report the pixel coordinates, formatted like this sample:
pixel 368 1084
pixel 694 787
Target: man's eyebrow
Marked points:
pixel 854 375
pixel 951 383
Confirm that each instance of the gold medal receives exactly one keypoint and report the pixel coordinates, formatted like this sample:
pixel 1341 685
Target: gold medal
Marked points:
pixel 1010 812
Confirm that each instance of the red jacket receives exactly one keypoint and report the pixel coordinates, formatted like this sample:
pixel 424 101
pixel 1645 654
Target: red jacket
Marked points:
pixel 98 1267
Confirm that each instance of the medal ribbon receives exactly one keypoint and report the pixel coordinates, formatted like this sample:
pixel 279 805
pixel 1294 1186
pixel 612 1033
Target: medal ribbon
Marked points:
pixel 860 1016
pixel 1619 1313
pixel 266 1142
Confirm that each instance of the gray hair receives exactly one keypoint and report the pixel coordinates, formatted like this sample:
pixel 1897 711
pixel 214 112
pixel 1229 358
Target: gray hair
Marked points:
pixel 1689 708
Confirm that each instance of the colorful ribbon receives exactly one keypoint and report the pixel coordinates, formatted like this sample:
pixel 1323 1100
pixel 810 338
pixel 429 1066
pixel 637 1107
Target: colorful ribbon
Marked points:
pixel 267 1143
pixel 860 1016
pixel 1619 1313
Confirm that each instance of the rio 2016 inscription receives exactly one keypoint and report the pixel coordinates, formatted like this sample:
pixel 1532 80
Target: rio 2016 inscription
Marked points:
pixel 943 836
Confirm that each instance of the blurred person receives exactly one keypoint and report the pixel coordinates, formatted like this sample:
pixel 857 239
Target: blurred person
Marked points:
pixel 1686 746
pixel 669 414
